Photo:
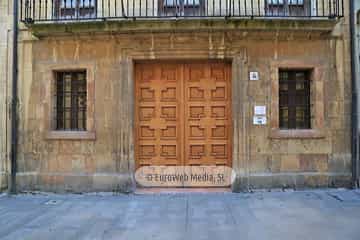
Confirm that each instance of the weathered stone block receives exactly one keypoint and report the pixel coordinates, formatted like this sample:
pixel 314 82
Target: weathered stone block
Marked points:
pixel 27 182
pixel 261 182
pixel 340 181
pixel 113 182
pixel 316 181
pixel 290 163
pixel 275 163
pixel 313 162
pixel 284 181
pixel 337 162
pixel 260 163
pixel 78 183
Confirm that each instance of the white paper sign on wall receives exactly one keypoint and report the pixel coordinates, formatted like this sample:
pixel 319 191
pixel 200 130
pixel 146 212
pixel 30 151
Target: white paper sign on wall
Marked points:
pixel 260 110
pixel 254 76
pixel 259 120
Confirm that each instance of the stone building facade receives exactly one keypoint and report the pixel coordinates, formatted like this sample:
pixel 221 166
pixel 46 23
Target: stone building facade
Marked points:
pixel 126 64
pixel 5 84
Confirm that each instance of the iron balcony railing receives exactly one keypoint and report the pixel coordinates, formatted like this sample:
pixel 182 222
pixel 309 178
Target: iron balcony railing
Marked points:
pixel 33 11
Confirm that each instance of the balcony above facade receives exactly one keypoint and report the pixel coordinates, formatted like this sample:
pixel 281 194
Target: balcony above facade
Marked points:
pixel 168 15
pixel 35 11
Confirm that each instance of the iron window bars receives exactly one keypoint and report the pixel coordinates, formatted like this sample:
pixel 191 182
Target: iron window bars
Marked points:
pixel 70 101
pixel 294 99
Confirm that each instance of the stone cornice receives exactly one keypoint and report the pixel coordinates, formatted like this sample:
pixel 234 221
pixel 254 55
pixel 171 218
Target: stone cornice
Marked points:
pixel 301 26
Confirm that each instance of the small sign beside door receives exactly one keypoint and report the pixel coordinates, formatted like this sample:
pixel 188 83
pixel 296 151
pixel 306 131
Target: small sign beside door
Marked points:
pixel 254 76
pixel 259 120
pixel 260 110
pixel 259 115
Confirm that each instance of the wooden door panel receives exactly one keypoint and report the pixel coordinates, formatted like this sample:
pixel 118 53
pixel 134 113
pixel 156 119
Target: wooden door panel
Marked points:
pixel 183 114
pixel 158 136
pixel 207 114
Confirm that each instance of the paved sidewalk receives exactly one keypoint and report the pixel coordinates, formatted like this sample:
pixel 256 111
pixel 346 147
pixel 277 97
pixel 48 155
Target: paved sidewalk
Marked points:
pixel 319 214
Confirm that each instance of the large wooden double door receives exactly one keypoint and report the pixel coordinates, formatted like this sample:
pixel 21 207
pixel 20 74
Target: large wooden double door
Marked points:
pixel 183 114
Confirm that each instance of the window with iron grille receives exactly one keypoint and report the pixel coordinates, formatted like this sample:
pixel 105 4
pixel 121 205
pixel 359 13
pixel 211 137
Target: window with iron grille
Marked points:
pixel 70 101
pixel 181 7
pixel 68 9
pixel 288 8
pixel 294 99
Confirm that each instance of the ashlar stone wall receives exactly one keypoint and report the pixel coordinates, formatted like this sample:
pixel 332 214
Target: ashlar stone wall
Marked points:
pixel 263 157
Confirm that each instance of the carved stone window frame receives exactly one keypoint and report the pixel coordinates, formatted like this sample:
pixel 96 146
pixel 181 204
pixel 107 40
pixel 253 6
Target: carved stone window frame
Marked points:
pixel 316 101
pixel 48 102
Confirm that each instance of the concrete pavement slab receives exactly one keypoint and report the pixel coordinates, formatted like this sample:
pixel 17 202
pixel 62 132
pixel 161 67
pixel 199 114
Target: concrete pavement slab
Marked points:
pixel 279 215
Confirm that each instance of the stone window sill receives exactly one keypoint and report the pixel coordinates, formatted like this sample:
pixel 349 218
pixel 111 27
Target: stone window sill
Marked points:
pixel 296 134
pixel 70 135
